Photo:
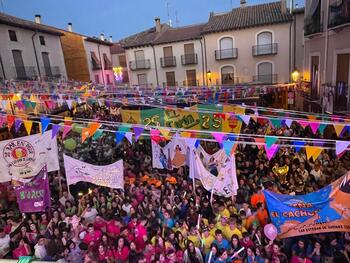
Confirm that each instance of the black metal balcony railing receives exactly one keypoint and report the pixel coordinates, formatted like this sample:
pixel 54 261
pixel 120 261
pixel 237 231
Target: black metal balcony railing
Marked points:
pixel 140 64
pixel 108 66
pixel 265 79
pixel 190 83
pixel 313 28
pixel 339 14
pixel 96 66
pixel 51 72
pixel 226 53
pixel 268 49
pixel 25 73
pixel 228 82
pixel 170 84
pixel 189 59
pixel 168 62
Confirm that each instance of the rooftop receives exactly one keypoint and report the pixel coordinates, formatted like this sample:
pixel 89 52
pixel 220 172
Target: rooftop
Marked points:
pixel 180 34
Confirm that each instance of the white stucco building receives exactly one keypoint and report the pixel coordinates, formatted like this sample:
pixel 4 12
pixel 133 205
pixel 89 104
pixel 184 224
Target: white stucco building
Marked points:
pixel 29 50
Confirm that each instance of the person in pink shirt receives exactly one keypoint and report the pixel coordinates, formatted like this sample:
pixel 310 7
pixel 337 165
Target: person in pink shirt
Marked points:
pixel 105 254
pixel 100 224
pixel 141 234
pixel 113 228
pixel 133 223
pixel 23 249
pixel 121 251
pixel 93 237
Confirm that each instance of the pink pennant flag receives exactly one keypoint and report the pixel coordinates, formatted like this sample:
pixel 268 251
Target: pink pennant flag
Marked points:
pixel 314 126
pixel 219 137
pixel 341 146
pixel 304 124
pixel 271 151
pixel 155 135
pixel 66 130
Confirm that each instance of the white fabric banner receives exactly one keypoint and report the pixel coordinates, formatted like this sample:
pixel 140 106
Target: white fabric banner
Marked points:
pixel 224 184
pixel 25 156
pixel 111 175
pixel 171 156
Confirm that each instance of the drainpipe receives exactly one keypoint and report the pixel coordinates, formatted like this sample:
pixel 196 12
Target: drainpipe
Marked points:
pixel 36 57
pixel 155 64
pixel 2 68
pixel 204 75
pixel 102 64
pixel 206 63
pixel 325 52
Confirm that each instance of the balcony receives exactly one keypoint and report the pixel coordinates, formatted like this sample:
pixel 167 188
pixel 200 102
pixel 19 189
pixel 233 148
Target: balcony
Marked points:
pixel 51 72
pixel 168 62
pixel 190 83
pixel 265 79
pixel 96 66
pixel 189 59
pixel 25 73
pixel 226 54
pixel 140 64
pixel 170 84
pixel 339 14
pixel 228 82
pixel 268 49
pixel 312 28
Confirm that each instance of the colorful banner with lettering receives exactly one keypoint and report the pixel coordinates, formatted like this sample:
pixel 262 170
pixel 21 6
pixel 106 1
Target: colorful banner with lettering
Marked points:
pixel 173 155
pixel 327 210
pixel 111 175
pixel 25 156
pixel 34 196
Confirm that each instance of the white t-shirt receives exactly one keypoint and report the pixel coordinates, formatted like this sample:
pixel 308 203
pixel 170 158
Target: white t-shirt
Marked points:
pixel 90 215
pixel 40 251
pixel 4 245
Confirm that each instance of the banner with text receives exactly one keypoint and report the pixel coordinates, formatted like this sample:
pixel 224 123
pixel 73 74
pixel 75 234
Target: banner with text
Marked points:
pixel 34 196
pixel 327 210
pixel 111 175
pixel 25 156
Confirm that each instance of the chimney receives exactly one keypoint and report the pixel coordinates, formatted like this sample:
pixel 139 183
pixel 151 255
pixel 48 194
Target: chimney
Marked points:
pixel 102 37
pixel 70 27
pixel 284 9
pixel 38 19
pixel 243 3
pixel 158 26
pixel 111 39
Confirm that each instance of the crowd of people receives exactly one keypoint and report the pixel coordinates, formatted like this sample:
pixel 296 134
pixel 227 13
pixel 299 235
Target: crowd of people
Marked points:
pixel 160 217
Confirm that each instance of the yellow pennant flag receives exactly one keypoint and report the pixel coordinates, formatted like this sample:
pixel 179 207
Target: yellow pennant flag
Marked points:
pixel 165 132
pixel 338 128
pixel 93 127
pixel 185 134
pixel 313 151
pixel 28 125
pixel 84 134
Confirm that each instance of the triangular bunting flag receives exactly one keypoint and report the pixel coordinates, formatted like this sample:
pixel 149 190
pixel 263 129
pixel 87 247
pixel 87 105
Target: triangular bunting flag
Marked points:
pixel 338 128
pixel 260 142
pixel 191 142
pixel 28 126
pixel 128 135
pixel 298 145
pixel 304 124
pixel 276 123
pixel 245 118
pixel 155 135
pixel 2 121
pixel 45 121
pixel 231 137
pixel 313 152
pixel 119 136
pixel 165 132
pixel 341 146
pixel 18 123
pixel 68 121
pixel 97 134
pixel 322 127
pixel 270 140
pixel 93 127
pixel 10 121
pixel 137 131
pixel 84 134
pixel 228 145
pixel 271 152
pixel 55 129
pixel 69 104
pixel 314 126
pixel 66 130
pixel 218 136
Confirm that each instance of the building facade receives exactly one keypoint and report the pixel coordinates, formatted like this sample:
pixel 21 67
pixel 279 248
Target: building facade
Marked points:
pixel 327 50
pixel 249 44
pixel 29 50
pixel 120 67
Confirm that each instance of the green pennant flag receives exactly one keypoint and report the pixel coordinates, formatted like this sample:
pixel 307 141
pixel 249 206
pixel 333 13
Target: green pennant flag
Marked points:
pixel 276 122
pixel 270 140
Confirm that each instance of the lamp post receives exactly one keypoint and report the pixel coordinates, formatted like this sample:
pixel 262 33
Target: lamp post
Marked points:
pixel 209 77
pixel 295 75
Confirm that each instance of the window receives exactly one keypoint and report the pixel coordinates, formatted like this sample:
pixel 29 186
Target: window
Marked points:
pixel 42 40
pixel 47 64
pixel 97 79
pixel 264 42
pixel 12 35
pixel 122 61
pixel 142 79
pixel 170 79
pixel 265 72
pixel 108 79
pixel 227 75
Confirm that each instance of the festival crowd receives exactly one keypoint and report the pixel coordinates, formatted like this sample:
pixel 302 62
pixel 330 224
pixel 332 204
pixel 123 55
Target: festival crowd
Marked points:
pixel 161 218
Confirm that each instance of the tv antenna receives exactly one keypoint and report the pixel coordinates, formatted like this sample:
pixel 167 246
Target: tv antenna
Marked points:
pixel 168 12
pixel 177 21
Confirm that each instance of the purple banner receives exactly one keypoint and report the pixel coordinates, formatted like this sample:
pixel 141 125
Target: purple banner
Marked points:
pixel 34 196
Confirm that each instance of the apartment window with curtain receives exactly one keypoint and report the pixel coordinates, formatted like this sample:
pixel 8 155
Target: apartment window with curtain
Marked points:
pixel 42 40
pixel 12 35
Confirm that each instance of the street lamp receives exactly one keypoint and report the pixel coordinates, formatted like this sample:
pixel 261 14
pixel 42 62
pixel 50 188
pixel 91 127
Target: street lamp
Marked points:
pixel 295 75
pixel 209 76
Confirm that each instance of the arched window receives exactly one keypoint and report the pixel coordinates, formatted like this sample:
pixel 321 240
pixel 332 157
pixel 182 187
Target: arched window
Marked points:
pixel 264 42
pixel 226 47
pixel 227 75
pixel 265 72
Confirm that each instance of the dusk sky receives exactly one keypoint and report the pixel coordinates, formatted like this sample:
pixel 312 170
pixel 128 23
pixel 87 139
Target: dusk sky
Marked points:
pixel 119 18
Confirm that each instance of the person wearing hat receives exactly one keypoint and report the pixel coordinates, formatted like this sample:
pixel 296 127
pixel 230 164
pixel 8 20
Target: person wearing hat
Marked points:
pixel 207 239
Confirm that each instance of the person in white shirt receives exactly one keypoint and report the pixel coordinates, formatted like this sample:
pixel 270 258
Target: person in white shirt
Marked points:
pixel 317 173
pixel 89 214
pixel 303 172
pixel 4 243
pixel 66 196
pixel 40 249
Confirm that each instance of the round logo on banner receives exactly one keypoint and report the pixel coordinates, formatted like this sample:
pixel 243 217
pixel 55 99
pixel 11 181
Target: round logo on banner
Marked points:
pixel 19 153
